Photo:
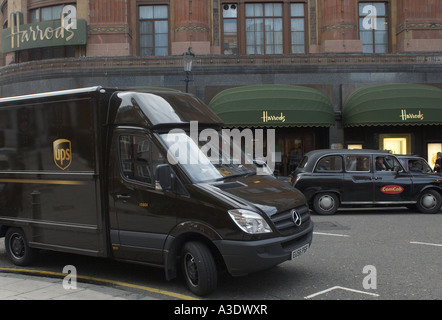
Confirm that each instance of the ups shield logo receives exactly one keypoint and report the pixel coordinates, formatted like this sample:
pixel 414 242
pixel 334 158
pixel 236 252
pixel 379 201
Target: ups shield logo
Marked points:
pixel 62 153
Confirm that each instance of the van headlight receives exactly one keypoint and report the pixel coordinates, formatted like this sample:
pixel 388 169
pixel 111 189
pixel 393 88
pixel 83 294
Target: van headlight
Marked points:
pixel 249 221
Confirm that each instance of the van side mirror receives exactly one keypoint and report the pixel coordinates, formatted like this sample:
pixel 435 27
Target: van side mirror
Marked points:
pixel 164 177
pixel 262 168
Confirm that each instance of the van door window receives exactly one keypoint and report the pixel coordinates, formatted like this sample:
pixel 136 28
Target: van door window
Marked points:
pixel 139 158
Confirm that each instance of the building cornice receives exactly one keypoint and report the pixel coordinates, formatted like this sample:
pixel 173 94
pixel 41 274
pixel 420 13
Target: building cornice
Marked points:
pixel 174 64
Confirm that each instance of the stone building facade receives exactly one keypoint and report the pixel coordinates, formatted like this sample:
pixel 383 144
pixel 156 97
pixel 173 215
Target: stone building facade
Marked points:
pixel 335 47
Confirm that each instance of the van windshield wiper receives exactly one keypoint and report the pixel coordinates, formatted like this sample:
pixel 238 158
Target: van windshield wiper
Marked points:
pixel 244 174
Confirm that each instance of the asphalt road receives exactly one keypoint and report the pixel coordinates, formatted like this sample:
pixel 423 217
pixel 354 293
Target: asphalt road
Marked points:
pixel 382 254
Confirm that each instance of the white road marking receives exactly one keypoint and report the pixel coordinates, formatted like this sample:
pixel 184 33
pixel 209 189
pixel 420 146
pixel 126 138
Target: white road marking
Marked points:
pixel 331 234
pixel 341 288
pixel 426 244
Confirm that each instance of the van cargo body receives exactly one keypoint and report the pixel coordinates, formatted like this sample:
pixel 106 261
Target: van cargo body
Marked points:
pixel 89 171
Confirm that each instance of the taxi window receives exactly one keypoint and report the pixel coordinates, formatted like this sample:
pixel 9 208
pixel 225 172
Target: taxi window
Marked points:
pixel 387 163
pixel 303 162
pixel 329 164
pixel 419 165
pixel 357 163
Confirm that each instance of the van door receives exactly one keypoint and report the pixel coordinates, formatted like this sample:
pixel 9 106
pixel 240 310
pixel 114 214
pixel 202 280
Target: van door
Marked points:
pixel 391 183
pixel 141 217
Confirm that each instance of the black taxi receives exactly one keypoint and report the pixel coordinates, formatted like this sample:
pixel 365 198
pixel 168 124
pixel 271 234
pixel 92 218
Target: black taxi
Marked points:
pixel 331 178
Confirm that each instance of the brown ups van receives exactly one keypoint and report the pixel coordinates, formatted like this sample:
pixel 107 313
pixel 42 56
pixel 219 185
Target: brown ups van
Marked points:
pixel 87 171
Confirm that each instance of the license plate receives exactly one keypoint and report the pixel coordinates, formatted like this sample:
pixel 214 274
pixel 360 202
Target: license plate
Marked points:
pixel 300 251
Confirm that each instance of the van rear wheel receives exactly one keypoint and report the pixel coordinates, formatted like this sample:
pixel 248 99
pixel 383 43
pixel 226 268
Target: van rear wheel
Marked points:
pixel 199 268
pixel 17 248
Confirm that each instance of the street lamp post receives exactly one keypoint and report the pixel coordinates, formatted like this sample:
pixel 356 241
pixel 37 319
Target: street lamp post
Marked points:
pixel 188 59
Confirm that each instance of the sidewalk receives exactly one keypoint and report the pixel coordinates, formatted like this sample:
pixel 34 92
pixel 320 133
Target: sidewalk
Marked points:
pixel 15 286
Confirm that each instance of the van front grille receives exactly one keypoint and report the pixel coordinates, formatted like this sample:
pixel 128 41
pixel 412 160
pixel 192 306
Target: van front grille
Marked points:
pixel 285 223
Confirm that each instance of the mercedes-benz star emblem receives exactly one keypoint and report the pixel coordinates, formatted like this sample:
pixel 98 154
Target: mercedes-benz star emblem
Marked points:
pixel 296 217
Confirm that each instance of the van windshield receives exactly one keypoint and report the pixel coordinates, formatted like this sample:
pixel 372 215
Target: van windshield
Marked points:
pixel 214 159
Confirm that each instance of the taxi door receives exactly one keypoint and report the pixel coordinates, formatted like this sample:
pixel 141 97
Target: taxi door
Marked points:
pixel 358 179
pixel 391 183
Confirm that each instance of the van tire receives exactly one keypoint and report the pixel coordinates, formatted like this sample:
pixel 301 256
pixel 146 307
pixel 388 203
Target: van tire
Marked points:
pixel 326 203
pixel 429 201
pixel 199 268
pixel 17 248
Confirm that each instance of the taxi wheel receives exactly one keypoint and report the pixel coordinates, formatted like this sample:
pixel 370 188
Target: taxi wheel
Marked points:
pixel 430 201
pixel 326 203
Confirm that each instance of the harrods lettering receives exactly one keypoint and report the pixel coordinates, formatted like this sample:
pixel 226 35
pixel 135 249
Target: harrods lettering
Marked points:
pixel 68 30
pixel 267 118
pixel 411 116
pixel 35 32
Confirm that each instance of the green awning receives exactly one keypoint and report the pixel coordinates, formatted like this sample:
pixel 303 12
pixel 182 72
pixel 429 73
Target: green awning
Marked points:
pixel 273 106
pixel 394 104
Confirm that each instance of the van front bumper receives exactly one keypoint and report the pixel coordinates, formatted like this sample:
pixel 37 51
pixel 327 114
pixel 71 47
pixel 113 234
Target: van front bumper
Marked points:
pixel 244 257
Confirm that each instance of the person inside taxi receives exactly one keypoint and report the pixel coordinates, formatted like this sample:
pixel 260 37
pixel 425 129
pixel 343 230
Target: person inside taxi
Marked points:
pixel 411 167
pixel 380 166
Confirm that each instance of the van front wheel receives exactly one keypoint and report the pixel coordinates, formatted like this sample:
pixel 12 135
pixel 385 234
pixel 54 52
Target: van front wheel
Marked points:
pixel 199 268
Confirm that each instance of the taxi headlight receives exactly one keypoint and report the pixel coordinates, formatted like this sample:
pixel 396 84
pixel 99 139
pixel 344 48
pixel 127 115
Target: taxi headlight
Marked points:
pixel 249 221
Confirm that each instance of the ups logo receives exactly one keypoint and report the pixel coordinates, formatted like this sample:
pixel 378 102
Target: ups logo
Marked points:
pixel 62 153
